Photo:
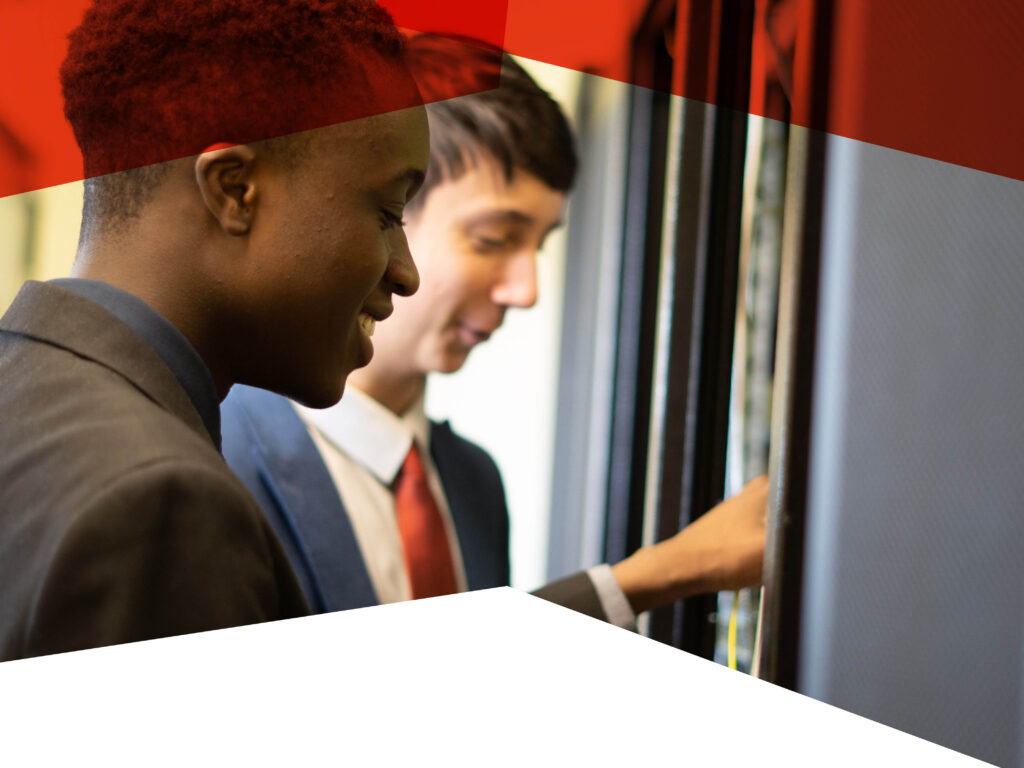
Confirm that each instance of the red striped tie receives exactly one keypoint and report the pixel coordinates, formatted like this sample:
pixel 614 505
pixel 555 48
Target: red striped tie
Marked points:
pixel 428 558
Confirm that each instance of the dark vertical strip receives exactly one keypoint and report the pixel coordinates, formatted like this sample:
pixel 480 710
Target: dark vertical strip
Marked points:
pixel 720 291
pixel 791 421
pixel 678 413
pixel 648 137
pixel 681 301
pixel 707 273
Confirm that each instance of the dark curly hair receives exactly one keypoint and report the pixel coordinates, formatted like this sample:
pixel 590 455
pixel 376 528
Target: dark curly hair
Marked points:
pixel 147 81
pixel 506 117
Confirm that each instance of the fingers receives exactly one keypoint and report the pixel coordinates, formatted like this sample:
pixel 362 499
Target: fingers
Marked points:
pixel 756 491
pixel 759 482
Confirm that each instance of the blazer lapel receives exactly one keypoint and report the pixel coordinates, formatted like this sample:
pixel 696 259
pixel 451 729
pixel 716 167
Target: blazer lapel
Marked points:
pixel 466 507
pixel 299 481
pixel 64 319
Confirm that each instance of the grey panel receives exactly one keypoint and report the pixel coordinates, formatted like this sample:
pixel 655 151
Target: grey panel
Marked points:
pixel 913 612
pixel 586 375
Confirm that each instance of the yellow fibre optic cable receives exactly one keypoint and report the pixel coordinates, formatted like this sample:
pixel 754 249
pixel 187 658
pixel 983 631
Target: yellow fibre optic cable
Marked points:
pixel 732 628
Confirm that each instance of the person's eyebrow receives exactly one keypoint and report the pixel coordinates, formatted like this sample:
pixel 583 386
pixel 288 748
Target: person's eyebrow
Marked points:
pixel 492 216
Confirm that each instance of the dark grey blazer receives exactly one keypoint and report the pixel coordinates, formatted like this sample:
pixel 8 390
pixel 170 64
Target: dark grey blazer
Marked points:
pixel 268 447
pixel 119 520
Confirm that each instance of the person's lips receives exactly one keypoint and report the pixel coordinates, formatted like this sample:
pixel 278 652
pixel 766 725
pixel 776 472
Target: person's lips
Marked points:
pixel 371 315
pixel 471 335
pixel 367 323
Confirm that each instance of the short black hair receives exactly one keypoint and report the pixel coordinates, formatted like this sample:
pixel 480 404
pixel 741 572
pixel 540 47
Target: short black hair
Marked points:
pixel 148 81
pixel 506 116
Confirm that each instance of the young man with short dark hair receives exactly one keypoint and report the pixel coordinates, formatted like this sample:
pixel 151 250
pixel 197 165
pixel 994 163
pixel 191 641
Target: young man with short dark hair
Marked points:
pixel 335 483
pixel 211 253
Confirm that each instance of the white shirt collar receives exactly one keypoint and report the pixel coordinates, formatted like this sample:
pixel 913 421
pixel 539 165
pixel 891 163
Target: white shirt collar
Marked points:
pixel 369 433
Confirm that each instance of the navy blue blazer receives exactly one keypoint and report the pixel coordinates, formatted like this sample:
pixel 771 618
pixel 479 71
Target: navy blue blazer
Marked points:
pixel 267 445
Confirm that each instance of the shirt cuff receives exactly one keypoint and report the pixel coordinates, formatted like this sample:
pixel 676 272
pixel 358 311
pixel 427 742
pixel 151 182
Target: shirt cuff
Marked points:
pixel 614 602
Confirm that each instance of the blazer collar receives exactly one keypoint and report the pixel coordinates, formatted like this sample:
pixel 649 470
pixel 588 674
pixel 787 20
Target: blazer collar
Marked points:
pixel 469 497
pixel 62 318
pixel 305 494
pixel 163 338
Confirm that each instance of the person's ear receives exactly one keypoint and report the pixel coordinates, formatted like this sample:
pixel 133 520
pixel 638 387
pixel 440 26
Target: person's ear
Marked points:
pixel 225 177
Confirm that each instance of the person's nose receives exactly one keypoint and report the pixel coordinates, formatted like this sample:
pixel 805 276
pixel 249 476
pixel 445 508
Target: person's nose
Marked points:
pixel 517 284
pixel 402 276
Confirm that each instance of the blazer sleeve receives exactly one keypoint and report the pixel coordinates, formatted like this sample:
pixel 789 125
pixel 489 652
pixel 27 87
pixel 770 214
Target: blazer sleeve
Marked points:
pixel 576 592
pixel 170 548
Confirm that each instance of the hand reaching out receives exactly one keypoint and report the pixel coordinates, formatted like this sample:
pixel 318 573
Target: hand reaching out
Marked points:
pixel 722 549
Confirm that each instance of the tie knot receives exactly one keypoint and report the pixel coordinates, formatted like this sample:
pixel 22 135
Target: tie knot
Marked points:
pixel 413 465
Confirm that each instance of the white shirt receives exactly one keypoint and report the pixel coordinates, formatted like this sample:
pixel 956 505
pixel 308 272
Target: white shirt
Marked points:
pixel 364 445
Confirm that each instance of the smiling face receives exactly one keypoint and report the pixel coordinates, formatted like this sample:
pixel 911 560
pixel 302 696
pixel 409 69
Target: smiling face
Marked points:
pixel 326 253
pixel 475 240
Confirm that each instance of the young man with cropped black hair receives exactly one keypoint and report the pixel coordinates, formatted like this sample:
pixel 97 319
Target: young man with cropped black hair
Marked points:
pixel 214 249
